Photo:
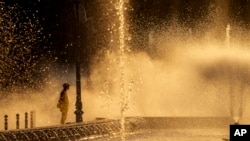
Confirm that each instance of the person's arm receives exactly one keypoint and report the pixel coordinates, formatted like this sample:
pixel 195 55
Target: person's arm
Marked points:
pixel 62 95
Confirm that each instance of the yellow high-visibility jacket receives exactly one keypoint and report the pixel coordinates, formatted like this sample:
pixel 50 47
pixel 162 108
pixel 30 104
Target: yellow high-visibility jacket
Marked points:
pixel 63 102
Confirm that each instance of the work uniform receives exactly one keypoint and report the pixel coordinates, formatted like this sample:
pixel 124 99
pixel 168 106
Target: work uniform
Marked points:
pixel 63 105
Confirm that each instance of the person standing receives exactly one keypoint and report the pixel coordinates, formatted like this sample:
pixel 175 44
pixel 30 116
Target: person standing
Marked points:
pixel 63 102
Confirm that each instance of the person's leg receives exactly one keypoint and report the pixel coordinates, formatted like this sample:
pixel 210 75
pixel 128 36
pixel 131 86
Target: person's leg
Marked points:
pixel 64 116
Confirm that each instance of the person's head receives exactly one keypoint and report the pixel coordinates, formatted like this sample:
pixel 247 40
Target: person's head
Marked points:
pixel 66 86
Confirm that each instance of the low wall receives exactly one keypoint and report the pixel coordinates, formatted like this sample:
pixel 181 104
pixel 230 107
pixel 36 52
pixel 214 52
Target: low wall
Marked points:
pixel 104 128
pixel 67 132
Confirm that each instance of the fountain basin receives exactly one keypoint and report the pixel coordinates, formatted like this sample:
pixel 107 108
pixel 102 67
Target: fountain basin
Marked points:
pixel 136 127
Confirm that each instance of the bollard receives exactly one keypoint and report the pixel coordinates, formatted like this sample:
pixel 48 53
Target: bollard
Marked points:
pixel 26 120
pixel 17 121
pixel 6 122
pixel 32 119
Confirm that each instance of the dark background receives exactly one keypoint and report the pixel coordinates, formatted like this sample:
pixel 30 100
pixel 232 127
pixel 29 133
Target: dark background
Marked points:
pixel 57 17
pixel 58 20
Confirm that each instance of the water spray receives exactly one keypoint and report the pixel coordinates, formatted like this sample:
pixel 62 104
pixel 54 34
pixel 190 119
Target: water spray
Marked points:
pixel 228 28
pixel 121 65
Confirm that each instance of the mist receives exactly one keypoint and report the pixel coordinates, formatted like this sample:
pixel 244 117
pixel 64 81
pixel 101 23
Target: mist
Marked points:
pixel 179 76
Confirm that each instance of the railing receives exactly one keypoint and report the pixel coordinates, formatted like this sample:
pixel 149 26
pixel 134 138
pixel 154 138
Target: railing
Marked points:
pixel 71 132
pixel 106 128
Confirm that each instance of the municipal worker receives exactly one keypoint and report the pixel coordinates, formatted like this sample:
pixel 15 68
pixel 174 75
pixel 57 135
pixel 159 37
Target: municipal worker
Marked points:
pixel 63 102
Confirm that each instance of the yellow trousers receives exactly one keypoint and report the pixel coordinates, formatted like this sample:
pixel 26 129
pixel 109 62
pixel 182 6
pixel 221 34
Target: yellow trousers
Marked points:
pixel 64 116
pixel 63 106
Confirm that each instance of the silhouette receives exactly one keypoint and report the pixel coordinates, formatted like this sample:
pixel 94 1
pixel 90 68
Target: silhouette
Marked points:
pixel 63 102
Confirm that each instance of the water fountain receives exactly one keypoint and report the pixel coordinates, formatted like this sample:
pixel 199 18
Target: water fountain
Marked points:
pixel 218 74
